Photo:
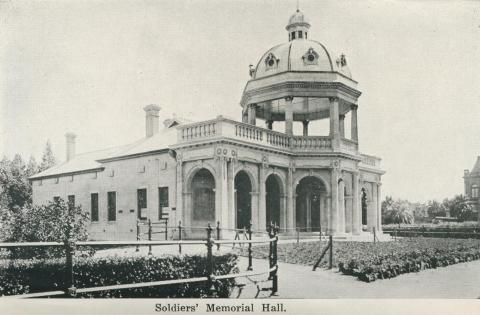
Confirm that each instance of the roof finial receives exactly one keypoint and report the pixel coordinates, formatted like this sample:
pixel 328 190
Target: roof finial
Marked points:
pixel 298 5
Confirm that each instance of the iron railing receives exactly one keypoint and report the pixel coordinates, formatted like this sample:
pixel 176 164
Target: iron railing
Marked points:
pixel 209 278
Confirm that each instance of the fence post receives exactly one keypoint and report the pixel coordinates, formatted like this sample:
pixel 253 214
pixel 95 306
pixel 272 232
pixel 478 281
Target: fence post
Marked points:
pixel 149 236
pixel 374 236
pixel 70 289
pixel 275 261
pixel 180 236
pixel 298 234
pixel 218 234
pixel 249 231
pixel 211 277
pixel 330 259
pixel 270 250
pixel 138 236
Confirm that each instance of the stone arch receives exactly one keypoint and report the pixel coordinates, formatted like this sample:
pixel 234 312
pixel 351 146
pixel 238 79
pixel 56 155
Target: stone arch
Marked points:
pixel 191 173
pixel 243 199
pixel 310 193
pixel 202 197
pixel 249 172
pixel 316 175
pixel 280 176
pixel 274 200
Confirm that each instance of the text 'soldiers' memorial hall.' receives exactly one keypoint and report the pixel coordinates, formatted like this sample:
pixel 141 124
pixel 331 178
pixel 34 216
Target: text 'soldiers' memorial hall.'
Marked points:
pixel 233 171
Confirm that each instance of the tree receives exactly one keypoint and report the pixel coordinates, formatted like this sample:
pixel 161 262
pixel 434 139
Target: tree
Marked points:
pixel 397 211
pixel 459 208
pixel 15 187
pixel 48 158
pixel 53 222
pixel 435 209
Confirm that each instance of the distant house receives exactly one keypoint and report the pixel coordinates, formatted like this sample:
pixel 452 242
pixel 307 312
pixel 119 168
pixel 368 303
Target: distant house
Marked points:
pixel 472 186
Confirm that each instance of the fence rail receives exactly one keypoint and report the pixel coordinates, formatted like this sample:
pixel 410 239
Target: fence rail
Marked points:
pixel 70 247
pixel 444 233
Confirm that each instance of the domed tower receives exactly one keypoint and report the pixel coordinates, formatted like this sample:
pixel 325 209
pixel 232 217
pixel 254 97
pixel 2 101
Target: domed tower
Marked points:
pixel 300 80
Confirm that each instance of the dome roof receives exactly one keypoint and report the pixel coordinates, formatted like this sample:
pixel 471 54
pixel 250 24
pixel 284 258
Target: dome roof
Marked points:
pixel 300 55
pixel 298 18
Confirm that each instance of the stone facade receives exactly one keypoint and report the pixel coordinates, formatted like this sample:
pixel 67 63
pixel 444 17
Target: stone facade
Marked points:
pixel 234 172
pixel 472 186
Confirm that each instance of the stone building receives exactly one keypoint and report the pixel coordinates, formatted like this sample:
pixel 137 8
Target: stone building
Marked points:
pixel 472 186
pixel 235 172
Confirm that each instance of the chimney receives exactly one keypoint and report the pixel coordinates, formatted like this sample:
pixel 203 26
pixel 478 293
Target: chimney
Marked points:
pixel 151 121
pixel 70 145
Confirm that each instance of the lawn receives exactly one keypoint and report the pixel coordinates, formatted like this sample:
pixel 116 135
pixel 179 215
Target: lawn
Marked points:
pixel 369 261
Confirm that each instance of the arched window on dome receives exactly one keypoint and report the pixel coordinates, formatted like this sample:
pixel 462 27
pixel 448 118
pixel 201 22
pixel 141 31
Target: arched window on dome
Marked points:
pixel 300 34
pixel 293 35
pixel 271 62
pixel 310 57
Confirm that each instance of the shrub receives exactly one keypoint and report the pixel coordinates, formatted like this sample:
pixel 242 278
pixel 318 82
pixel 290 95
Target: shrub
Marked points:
pixel 30 276
pixel 52 222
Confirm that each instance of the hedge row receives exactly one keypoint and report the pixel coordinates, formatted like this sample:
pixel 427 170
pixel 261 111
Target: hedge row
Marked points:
pixel 383 260
pixel 30 276
pixel 390 264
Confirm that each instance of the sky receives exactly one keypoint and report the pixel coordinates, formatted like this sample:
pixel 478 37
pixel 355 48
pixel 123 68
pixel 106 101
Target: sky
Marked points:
pixel 89 67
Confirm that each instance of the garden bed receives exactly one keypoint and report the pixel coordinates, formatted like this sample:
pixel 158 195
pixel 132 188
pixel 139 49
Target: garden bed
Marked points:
pixel 34 275
pixel 369 261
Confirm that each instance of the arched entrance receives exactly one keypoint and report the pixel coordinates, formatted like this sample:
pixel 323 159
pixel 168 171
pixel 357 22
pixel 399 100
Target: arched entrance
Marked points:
pixel 272 202
pixel 364 208
pixel 203 197
pixel 309 193
pixel 243 188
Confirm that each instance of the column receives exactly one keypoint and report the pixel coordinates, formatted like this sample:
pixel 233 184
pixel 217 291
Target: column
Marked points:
pixel 354 126
pixel 283 212
pixel 180 197
pixel 334 122
pixel 288 116
pixel 231 193
pixel 323 213
pixel 290 211
pixel 341 208
pixel 356 210
pixel 261 218
pixel 373 207
pixel 348 214
pixel 305 128
pixel 269 124
pixel 252 114
pixel 221 192
pixel 308 207
pixel 342 125
pixel 334 202
pixel 379 207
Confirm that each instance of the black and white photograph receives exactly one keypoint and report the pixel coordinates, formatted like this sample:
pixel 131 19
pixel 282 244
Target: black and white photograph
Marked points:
pixel 239 156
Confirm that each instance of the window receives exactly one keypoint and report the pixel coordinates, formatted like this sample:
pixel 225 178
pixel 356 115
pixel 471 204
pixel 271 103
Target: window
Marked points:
pixel 475 190
pixel 142 203
pixel 162 200
pixel 300 34
pixel 94 207
pixel 112 206
pixel 71 202
pixel 306 35
pixel 293 35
